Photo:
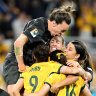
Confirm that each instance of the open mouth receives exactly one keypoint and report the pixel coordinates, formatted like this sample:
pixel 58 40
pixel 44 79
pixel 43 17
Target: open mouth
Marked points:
pixel 53 49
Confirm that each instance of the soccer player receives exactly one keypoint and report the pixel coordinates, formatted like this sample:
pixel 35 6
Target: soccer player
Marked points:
pixel 73 89
pixel 77 50
pixel 76 88
pixel 57 42
pixel 33 78
pixel 37 30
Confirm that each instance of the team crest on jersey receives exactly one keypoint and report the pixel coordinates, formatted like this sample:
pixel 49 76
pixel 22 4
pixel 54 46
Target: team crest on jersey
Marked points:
pixel 34 32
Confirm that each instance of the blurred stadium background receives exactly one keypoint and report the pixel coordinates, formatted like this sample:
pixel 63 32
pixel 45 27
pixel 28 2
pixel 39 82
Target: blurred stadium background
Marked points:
pixel 14 14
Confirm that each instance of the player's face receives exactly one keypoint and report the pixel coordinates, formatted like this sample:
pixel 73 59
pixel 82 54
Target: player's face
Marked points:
pixel 56 44
pixel 71 52
pixel 59 29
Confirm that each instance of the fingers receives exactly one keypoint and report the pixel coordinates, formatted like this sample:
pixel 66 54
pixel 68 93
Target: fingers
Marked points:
pixel 69 64
pixel 54 88
pixel 73 63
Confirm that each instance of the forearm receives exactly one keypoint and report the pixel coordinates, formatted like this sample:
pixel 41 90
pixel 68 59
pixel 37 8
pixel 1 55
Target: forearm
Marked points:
pixel 19 57
pixel 71 70
pixel 44 90
pixel 87 75
pixel 67 81
pixel 20 60
pixel 18 48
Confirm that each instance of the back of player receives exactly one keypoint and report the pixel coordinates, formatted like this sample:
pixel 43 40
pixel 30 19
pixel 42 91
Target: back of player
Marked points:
pixel 70 90
pixel 36 75
pixel 73 89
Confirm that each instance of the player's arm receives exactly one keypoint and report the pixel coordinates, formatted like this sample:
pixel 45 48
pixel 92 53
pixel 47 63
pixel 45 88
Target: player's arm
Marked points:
pixel 70 79
pixel 86 92
pixel 18 47
pixel 18 86
pixel 88 73
pixel 43 91
pixel 72 70
pixel 89 76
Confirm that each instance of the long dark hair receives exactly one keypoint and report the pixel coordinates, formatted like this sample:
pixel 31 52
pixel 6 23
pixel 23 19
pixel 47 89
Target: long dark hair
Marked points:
pixel 85 58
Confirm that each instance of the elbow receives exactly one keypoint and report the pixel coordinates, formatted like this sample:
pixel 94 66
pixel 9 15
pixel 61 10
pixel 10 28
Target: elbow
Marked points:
pixel 15 44
pixel 21 41
pixel 18 43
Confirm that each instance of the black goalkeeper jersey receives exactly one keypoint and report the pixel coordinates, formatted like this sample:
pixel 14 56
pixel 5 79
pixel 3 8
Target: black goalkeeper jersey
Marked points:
pixel 36 32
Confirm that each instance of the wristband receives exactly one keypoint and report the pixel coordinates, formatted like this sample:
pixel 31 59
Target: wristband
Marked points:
pixel 22 68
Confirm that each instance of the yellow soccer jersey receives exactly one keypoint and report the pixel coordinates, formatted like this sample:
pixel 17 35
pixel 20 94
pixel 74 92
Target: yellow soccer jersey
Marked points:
pixel 36 75
pixel 70 90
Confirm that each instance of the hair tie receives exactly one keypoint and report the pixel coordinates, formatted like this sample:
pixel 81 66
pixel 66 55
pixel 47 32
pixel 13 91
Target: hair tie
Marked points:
pixel 58 54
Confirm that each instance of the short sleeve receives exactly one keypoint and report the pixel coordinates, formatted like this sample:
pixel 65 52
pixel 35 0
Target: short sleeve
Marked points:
pixel 54 78
pixel 34 30
pixel 32 33
pixel 57 67
pixel 50 79
pixel 22 75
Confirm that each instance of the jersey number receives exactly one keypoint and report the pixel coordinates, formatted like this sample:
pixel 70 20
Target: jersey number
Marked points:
pixel 35 78
pixel 72 91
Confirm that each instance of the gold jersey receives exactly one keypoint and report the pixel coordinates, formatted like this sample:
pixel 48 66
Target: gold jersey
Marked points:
pixel 69 90
pixel 35 76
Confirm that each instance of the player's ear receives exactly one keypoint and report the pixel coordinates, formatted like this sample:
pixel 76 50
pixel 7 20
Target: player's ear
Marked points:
pixel 34 58
pixel 77 56
pixel 54 23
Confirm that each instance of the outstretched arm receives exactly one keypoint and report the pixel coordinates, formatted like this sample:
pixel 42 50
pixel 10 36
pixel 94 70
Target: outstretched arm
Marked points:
pixel 18 46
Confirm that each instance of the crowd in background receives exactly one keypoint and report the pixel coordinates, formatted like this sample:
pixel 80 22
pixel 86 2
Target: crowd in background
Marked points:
pixel 14 14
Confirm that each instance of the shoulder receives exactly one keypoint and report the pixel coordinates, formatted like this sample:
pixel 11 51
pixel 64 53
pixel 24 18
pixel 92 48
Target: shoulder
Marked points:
pixel 39 22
